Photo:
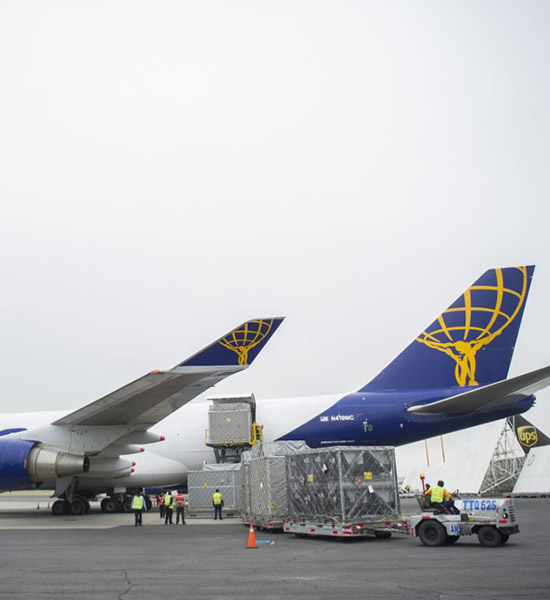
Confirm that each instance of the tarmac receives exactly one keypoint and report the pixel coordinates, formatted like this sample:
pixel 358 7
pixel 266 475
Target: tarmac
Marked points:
pixel 105 557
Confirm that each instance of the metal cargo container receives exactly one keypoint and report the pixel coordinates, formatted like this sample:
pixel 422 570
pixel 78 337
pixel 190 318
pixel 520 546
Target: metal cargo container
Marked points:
pixel 264 487
pixel 202 484
pixel 245 488
pixel 343 485
pixel 230 423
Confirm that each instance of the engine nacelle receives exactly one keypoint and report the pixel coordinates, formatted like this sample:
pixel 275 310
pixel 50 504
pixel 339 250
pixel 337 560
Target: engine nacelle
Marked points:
pixel 23 462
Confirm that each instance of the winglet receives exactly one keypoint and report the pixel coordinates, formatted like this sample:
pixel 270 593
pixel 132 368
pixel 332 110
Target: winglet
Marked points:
pixel 238 347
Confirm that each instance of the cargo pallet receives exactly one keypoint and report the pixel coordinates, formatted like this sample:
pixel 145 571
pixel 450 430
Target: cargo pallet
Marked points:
pixel 310 529
pixel 262 523
pixel 268 524
pixel 206 512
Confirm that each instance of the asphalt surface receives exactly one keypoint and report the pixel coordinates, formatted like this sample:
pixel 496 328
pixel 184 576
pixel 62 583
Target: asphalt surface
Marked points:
pixel 106 557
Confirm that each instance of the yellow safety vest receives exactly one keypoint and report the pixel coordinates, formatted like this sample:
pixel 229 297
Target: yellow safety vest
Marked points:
pixel 437 494
pixel 137 503
pixel 217 498
pixel 168 501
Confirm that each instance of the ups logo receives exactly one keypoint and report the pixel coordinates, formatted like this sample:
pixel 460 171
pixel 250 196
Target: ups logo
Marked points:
pixel 527 436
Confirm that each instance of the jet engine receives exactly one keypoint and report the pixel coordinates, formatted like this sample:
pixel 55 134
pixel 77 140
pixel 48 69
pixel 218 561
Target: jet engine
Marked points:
pixel 23 462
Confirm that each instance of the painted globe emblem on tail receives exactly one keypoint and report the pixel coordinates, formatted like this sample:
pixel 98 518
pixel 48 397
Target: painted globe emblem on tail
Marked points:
pixel 477 324
pixel 241 341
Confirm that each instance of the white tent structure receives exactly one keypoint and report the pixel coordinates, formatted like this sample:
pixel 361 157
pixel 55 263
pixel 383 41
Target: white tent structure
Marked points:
pixel 482 460
pixel 534 478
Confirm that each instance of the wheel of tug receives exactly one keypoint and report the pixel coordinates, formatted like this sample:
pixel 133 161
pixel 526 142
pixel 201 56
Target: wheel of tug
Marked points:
pixel 432 533
pixel 127 505
pixel 148 503
pixel 60 507
pixel 78 507
pixel 109 505
pixel 489 536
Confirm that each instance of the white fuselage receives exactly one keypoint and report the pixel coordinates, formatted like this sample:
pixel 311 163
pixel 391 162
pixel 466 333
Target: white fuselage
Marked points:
pixel 184 449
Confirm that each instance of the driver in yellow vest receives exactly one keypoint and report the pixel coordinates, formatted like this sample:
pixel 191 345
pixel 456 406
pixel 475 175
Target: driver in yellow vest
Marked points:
pixel 217 501
pixel 440 498
pixel 138 504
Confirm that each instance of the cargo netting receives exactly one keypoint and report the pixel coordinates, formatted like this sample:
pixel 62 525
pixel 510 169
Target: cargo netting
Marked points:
pixel 343 485
pixel 263 481
pixel 202 484
pixel 230 423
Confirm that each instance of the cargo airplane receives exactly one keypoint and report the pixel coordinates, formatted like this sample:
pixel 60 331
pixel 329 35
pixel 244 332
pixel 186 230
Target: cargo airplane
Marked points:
pixel 452 376
pixel 95 448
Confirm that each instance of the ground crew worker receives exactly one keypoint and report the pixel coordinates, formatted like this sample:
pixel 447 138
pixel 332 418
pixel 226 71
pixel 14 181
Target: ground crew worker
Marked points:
pixel 161 505
pixel 217 501
pixel 440 498
pixel 138 504
pixel 426 497
pixel 180 508
pixel 168 507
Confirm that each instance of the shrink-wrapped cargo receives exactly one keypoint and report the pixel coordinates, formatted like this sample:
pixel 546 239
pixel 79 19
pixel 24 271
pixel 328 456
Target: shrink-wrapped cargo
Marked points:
pixel 343 484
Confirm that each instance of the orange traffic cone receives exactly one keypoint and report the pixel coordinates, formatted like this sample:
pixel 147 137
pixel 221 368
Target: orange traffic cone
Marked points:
pixel 251 538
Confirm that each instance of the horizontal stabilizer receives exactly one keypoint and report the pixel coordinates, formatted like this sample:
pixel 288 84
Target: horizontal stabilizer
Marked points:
pixel 496 394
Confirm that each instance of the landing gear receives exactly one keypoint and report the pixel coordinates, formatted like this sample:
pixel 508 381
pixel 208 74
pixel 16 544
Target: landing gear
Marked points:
pixel 78 506
pixel 110 505
pixel 60 507
pixel 71 504
pixel 122 503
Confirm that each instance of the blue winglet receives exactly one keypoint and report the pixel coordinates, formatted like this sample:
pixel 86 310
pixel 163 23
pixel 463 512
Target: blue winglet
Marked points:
pixel 238 347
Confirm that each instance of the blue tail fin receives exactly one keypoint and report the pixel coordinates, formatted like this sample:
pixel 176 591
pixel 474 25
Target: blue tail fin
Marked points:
pixel 238 347
pixel 471 343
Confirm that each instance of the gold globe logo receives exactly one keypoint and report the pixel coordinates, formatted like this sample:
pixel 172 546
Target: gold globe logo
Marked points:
pixel 241 341
pixel 463 330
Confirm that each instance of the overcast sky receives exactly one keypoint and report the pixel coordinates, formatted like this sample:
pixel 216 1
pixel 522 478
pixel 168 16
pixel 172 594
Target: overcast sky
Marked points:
pixel 169 169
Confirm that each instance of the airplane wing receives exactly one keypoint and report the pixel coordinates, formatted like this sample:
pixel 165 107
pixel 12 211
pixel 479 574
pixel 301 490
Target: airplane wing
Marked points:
pixel 489 396
pixel 154 396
